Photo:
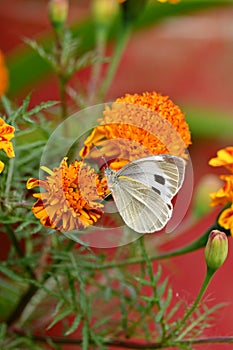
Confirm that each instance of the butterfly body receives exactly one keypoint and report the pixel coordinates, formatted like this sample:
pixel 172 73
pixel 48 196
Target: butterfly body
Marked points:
pixel 143 189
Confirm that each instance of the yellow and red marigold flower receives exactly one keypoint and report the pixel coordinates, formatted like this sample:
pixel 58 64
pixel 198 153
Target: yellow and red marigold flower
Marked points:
pixel 4 79
pixel 224 195
pixel 136 126
pixel 71 197
pixel 6 134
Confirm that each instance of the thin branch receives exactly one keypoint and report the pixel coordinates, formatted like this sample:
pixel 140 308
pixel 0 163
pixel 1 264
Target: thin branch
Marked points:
pixel 126 344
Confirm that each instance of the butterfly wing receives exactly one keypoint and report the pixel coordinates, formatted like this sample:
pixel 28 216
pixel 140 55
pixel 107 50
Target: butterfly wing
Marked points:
pixel 140 206
pixel 162 173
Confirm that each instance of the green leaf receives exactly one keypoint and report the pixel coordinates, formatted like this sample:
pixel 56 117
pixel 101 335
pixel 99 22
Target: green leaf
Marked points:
pixel 38 109
pixel 3 329
pixel 158 274
pixel 74 325
pixel 10 294
pixel 85 336
pixel 162 287
pixel 173 311
pixel 6 103
pixel 143 281
pixel 168 299
pixel 39 49
pixel 11 274
pixel 159 315
pixel 60 317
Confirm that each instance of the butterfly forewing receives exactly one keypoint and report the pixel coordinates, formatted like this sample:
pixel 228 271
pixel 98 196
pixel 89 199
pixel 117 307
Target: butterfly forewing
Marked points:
pixel 163 173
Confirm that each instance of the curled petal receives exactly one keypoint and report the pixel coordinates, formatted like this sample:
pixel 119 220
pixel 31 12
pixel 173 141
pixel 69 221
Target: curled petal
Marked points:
pixel 226 219
pixel 224 158
pixel 1 166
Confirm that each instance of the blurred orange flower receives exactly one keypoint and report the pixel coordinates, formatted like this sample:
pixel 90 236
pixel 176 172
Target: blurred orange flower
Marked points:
pixel 171 1
pixel 6 134
pixel 224 158
pixel 71 197
pixel 136 126
pixel 4 79
pixel 224 195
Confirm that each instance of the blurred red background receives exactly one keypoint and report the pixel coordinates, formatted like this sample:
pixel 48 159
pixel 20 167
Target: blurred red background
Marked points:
pixel 188 58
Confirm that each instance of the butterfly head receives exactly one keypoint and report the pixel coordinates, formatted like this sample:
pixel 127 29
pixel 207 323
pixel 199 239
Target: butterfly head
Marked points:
pixel 111 176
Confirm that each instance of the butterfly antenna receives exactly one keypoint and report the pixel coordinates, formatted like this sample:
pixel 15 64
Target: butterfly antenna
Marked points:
pixel 102 156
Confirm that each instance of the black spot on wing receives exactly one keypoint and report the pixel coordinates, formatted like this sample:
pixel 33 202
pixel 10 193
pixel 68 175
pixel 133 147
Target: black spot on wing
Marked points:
pixel 156 190
pixel 160 179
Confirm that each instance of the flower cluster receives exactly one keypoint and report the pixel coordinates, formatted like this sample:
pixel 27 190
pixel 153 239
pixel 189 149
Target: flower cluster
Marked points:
pixel 224 196
pixel 6 134
pixel 133 127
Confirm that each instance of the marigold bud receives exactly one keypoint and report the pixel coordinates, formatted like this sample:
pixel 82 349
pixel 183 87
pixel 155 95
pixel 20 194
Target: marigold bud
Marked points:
pixel 104 11
pixel 216 249
pixel 58 11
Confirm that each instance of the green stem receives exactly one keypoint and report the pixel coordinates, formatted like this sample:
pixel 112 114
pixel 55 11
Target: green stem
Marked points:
pixel 62 91
pixel 200 242
pixel 58 34
pixel 10 174
pixel 208 277
pixel 101 39
pixel 123 344
pixel 116 57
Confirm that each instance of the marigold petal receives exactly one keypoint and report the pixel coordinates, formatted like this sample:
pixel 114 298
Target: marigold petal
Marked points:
pixel 6 134
pixel 1 166
pixel 4 78
pixel 224 158
pixel 34 182
pixel 226 219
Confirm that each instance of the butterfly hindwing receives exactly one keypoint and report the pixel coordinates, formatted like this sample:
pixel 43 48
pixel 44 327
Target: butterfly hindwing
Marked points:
pixel 141 208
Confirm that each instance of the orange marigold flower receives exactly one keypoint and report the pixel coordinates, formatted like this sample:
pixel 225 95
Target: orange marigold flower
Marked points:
pixel 137 126
pixel 6 134
pixel 71 197
pixel 4 80
pixel 225 194
pixel 224 158
pixel 226 219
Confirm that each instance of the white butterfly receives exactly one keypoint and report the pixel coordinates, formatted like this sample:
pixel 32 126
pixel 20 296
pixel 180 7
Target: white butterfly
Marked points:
pixel 143 189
